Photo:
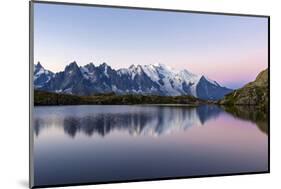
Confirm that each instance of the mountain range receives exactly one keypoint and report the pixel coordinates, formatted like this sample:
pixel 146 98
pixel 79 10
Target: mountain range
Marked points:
pixel 156 79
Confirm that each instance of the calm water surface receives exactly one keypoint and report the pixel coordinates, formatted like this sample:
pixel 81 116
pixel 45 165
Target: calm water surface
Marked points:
pixel 80 144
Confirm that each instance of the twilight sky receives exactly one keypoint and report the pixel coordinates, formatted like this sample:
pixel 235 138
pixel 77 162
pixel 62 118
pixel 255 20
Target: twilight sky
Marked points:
pixel 229 49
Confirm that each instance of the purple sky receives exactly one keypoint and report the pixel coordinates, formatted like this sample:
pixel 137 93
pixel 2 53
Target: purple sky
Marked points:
pixel 229 49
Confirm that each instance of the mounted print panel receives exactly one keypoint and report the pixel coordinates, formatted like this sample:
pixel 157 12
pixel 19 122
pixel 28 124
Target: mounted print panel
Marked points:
pixel 122 94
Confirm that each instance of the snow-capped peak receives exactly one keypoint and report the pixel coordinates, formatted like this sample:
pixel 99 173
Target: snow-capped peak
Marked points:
pixel 41 75
pixel 38 65
pixel 104 65
pixel 211 81
pixel 135 70
pixel 105 69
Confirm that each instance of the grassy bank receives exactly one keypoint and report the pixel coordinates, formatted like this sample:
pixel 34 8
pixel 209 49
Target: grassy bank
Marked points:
pixel 48 98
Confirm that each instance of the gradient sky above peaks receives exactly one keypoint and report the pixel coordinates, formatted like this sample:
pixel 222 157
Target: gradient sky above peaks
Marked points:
pixel 229 49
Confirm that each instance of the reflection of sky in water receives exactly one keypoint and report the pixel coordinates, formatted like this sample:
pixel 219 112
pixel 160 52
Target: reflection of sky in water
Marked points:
pixel 105 143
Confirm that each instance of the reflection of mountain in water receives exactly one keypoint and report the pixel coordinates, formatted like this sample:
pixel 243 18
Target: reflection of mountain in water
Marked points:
pixel 157 121
pixel 251 113
pixel 204 113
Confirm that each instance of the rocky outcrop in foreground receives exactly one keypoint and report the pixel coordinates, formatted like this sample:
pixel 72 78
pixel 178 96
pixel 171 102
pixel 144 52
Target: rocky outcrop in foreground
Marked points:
pixel 253 93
